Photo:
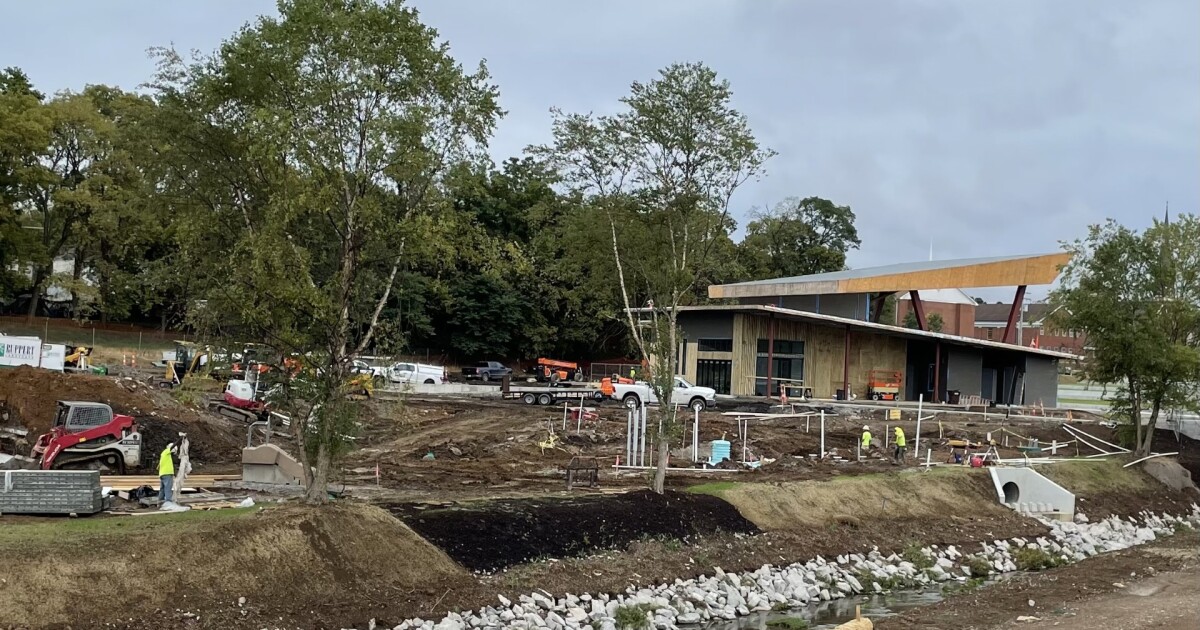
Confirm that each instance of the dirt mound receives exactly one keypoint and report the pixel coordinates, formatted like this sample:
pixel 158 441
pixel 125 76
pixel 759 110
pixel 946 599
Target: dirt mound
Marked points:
pixel 340 562
pixel 28 396
pixel 930 496
pixel 491 535
pixel 1106 488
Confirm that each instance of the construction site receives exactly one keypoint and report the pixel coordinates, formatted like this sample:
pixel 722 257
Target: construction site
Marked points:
pixel 524 504
pixel 451 505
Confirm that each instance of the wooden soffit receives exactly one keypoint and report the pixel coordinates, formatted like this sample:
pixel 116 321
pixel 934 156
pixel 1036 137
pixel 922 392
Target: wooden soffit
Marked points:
pixel 1035 269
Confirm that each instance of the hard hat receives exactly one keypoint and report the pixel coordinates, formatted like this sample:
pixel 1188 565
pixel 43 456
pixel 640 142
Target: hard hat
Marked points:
pixel 866 428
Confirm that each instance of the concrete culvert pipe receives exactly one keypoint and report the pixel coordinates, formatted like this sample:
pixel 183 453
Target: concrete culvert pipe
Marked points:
pixel 1012 493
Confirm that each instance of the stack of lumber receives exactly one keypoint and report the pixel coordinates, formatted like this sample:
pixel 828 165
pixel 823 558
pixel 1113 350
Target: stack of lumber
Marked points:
pixel 129 482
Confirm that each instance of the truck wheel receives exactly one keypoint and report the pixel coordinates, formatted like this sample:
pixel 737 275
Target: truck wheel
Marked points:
pixel 631 401
pixel 528 399
pixel 429 381
pixel 876 396
pixel 697 404
pixel 485 377
pixel 545 399
pixel 598 395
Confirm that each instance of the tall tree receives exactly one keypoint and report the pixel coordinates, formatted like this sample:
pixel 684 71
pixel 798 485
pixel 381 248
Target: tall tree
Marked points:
pixel 661 173
pixel 799 237
pixel 307 148
pixel 24 136
pixel 1137 298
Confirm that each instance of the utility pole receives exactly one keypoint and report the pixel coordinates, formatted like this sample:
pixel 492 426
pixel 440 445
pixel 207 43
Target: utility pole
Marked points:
pixel 1021 323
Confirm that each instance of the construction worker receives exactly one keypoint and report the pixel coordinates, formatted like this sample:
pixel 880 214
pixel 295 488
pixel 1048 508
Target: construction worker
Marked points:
pixel 632 374
pixel 866 439
pixel 166 473
pixel 901 445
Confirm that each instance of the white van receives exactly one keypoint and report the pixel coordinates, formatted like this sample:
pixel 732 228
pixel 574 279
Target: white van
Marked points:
pixel 414 373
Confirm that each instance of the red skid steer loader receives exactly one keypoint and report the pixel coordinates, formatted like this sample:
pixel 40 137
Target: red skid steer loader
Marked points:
pixel 89 436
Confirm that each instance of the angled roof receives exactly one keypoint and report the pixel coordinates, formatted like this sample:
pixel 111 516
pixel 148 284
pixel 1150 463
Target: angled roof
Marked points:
pixel 942 296
pixel 1001 271
pixel 855 324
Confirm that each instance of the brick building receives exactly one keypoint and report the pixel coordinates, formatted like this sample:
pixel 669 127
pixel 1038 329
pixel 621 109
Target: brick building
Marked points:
pixel 956 308
pixel 990 320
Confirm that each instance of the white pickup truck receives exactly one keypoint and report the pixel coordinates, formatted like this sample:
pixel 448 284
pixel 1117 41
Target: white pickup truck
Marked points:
pixel 684 394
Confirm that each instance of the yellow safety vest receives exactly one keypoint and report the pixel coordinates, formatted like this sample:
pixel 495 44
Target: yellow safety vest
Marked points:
pixel 866 439
pixel 166 466
pixel 900 437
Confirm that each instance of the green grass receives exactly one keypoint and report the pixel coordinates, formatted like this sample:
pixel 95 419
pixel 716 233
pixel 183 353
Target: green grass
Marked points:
pixel 1034 559
pixel 714 488
pixel 1096 402
pixel 66 531
pixel 66 331
pixel 1095 477
pixel 980 567
pixel 916 556
pixel 631 617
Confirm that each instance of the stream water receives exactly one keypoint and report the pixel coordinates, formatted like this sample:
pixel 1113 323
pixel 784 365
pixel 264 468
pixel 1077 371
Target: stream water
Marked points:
pixel 826 615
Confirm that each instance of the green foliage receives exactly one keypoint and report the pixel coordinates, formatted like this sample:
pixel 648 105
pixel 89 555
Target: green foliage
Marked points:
pixel 1137 298
pixel 798 237
pixel 661 173
pixel 916 555
pixel 633 617
pixel 979 566
pixel 310 150
pixel 968 586
pixel 933 322
pixel 1030 558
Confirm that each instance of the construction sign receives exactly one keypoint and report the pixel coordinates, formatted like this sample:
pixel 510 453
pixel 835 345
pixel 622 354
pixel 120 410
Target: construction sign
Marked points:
pixel 16 351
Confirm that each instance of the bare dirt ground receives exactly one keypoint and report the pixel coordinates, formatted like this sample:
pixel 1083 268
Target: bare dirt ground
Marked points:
pixel 490 449
pixel 1150 586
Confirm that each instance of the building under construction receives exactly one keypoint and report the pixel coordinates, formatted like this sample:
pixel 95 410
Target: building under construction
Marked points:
pixel 822 332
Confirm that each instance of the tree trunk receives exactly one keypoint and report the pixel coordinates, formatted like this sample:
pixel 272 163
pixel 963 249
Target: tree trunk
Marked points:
pixel 664 454
pixel 39 276
pixel 1143 448
pixel 76 274
pixel 318 489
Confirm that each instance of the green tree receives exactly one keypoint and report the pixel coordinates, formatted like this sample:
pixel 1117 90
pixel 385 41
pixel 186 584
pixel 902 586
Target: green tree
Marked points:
pixel 661 174
pixel 24 136
pixel 310 148
pixel 1137 298
pixel 933 323
pixel 798 237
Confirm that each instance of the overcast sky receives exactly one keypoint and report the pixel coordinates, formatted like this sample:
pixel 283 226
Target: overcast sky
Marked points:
pixel 991 128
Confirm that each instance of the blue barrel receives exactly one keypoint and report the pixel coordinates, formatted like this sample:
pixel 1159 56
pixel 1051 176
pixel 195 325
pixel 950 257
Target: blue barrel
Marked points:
pixel 720 451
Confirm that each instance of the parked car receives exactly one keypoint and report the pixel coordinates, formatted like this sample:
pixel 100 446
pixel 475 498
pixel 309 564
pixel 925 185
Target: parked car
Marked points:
pixel 486 371
pixel 686 394
pixel 417 373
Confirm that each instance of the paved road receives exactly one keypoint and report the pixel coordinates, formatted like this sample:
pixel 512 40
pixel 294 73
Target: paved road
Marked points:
pixel 1074 395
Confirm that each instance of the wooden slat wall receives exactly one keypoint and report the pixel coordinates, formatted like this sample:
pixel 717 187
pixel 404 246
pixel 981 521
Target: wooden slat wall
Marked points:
pixel 824 351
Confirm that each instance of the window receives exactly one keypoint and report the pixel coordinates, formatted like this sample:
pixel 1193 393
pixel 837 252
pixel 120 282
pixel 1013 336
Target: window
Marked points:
pixel 989 333
pixel 714 345
pixel 717 374
pixel 787 365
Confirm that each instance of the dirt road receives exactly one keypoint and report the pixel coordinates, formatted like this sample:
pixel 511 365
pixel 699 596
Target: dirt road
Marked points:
pixel 1151 586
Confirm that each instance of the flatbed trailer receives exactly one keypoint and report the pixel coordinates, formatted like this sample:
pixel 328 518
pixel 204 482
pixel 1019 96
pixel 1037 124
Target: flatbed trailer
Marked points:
pixel 551 395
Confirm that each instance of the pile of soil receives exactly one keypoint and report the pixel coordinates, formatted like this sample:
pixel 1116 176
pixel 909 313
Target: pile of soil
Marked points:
pixel 294 565
pixel 28 397
pixel 492 535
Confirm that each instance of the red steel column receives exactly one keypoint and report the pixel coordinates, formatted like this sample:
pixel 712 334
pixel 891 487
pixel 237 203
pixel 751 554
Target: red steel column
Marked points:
pixel 918 308
pixel 1012 314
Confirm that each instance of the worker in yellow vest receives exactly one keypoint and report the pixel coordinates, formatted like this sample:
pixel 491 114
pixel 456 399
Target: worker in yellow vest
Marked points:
pixel 866 439
pixel 166 474
pixel 901 445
